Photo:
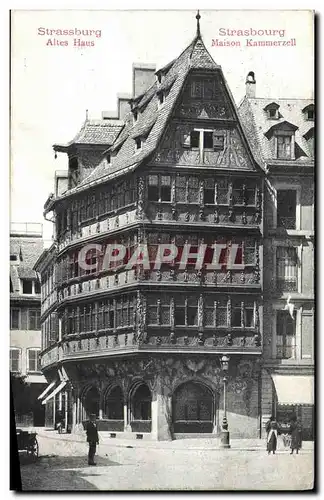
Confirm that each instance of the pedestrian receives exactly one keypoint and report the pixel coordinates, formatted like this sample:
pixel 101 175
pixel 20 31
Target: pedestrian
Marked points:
pixel 92 438
pixel 59 422
pixel 296 435
pixel 272 435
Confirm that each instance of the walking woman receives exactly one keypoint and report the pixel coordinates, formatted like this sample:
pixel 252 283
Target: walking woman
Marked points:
pixel 272 435
pixel 296 435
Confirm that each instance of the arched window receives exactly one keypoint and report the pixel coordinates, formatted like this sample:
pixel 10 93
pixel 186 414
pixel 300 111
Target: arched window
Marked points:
pixel 114 407
pixel 141 403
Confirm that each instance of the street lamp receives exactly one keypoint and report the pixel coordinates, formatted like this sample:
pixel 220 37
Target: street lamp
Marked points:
pixel 225 439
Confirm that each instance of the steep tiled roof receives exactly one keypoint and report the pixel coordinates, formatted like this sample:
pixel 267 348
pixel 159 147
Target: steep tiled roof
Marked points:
pixel 256 124
pixel 151 117
pixel 95 132
pixel 28 250
pixel 26 273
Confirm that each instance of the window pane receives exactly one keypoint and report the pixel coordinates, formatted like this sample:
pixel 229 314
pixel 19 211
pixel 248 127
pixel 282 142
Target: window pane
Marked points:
pixel 208 140
pixel 165 193
pixel 209 196
pixel 284 146
pixel 209 315
pixel 250 196
pixel 181 188
pixel 153 193
pixel 152 315
pixel 165 180
pixel 165 311
pixel 33 319
pixel 31 360
pixel 287 268
pixel 192 316
pixel 194 139
pixel 193 190
pixel 111 319
pixel 222 192
pixel 14 319
pixel 249 252
pixel 236 316
pixel 27 286
pixel 286 208
pixel 153 180
pixel 179 316
pixel 14 360
pixel 286 335
pixel 221 318
pixel 249 317
pixel 238 193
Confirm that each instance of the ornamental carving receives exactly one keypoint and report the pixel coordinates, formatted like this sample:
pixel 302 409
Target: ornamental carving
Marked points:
pixel 203 110
pixel 141 334
pixel 242 379
pixel 175 149
pixel 140 198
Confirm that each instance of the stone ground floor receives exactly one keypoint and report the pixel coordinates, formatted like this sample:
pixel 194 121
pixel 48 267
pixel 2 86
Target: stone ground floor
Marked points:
pixel 165 398
pixel 62 465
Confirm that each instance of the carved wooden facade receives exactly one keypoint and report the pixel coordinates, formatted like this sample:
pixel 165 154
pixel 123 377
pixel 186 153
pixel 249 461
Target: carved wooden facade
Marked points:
pixel 200 186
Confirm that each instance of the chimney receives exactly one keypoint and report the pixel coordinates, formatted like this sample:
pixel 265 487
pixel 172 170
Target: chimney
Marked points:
pixel 61 182
pixel 250 85
pixel 123 105
pixel 109 115
pixel 143 77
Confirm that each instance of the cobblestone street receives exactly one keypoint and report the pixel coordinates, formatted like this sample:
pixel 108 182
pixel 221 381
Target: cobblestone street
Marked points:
pixel 62 465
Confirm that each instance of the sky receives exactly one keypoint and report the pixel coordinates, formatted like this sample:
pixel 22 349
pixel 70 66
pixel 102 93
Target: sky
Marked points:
pixel 53 85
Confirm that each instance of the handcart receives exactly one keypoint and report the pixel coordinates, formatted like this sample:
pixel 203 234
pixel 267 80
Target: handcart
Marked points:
pixel 27 442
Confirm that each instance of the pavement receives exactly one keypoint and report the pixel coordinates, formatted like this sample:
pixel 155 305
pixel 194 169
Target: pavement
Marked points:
pixel 188 444
pixel 180 465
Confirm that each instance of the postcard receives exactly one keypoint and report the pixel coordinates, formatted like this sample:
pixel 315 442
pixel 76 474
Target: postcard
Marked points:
pixel 162 250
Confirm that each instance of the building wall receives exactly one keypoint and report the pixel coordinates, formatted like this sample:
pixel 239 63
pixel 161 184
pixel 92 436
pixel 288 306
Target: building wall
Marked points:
pixel 26 245
pixel 24 340
pixel 303 298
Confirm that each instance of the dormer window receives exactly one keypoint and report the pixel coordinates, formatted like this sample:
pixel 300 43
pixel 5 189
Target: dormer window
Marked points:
pixel 284 147
pixel 309 112
pixel 108 157
pixel 135 115
pixel 161 97
pixel 138 144
pixel 309 137
pixel 272 111
pixel 282 140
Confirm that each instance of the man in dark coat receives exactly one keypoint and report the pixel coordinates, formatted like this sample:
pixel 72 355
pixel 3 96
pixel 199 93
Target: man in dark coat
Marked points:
pixel 92 438
pixel 296 435
pixel 272 435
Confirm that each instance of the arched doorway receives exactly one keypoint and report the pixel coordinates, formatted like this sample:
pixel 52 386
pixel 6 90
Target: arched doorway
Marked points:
pixel 193 408
pixel 114 404
pixel 141 401
pixel 90 401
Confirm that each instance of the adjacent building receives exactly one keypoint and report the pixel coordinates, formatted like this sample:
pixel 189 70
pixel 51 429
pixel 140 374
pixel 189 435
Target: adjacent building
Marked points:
pixel 282 132
pixel 141 346
pixel 26 245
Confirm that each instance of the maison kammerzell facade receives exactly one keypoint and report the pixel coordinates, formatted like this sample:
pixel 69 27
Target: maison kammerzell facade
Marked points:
pixel 143 348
